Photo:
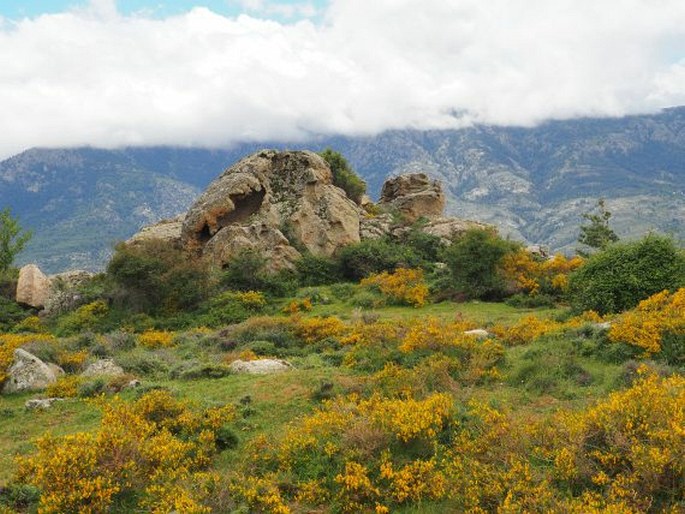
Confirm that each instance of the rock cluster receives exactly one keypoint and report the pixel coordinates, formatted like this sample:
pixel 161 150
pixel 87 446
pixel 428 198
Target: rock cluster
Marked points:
pixel 281 203
pixel 54 293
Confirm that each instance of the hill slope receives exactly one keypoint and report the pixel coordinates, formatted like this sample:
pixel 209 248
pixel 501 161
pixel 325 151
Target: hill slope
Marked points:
pixel 533 183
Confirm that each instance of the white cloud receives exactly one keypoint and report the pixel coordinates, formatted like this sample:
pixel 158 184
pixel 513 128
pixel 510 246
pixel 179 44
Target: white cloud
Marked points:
pixel 96 77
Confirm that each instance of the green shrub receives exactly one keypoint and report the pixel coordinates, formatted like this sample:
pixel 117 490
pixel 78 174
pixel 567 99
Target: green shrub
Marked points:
pixel 343 175
pixel 313 270
pixel 10 314
pixel 359 260
pixel 618 278
pixel 473 262
pixel 247 272
pixel 155 277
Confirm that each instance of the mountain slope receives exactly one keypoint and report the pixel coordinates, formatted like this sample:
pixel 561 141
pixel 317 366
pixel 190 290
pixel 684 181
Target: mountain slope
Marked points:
pixel 533 183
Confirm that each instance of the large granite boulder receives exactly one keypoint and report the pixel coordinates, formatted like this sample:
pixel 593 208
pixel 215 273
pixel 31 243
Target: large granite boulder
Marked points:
pixel 33 287
pixel 28 373
pixel 414 196
pixel 103 367
pixel 276 202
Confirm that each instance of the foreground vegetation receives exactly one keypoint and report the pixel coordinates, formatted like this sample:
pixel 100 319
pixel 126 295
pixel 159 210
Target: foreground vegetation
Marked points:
pixel 393 404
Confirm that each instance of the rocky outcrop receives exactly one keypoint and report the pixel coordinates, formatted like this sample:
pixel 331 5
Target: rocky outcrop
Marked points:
pixel 413 196
pixel 274 202
pixel 167 230
pixel 282 203
pixel 33 287
pixel 28 373
pixel 64 294
pixel 103 367
pixel 260 366
pixel 41 403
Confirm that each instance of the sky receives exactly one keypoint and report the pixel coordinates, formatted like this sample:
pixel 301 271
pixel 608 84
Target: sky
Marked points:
pixel 134 72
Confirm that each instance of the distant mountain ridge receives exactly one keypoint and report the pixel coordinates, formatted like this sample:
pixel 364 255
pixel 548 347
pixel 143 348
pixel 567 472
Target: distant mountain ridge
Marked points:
pixel 533 183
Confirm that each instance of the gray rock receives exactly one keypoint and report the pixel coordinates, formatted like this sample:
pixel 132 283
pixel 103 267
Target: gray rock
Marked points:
pixel 260 366
pixel 168 231
pixel 41 403
pixel 102 367
pixel 28 373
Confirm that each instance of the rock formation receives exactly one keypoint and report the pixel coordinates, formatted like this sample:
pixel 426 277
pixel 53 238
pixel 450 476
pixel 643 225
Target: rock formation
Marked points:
pixel 274 202
pixel 28 373
pixel 33 287
pixel 103 367
pixel 56 293
pixel 413 196
pixel 282 203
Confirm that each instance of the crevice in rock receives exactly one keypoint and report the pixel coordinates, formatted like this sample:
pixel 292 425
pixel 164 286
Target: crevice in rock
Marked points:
pixel 245 206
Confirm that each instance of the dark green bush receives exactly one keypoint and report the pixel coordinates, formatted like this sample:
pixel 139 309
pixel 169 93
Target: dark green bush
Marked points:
pixel 343 175
pixel 618 278
pixel 473 262
pixel 362 259
pixel 226 438
pixel 10 314
pixel 247 272
pixel 315 270
pixel 158 278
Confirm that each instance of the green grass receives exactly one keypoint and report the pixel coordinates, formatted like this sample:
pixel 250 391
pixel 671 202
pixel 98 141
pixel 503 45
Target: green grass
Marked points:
pixel 19 427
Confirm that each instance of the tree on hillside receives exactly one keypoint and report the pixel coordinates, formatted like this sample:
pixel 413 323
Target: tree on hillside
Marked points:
pixel 596 233
pixel 343 175
pixel 12 239
pixel 473 261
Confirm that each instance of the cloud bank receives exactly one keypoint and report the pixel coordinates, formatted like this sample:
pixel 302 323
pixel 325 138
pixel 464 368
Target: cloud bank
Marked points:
pixel 96 77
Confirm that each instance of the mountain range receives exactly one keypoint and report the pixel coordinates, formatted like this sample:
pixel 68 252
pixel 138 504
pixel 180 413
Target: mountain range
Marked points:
pixel 532 183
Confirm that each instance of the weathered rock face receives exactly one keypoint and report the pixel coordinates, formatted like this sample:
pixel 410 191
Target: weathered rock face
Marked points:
pixel 273 202
pixel 33 287
pixel 103 367
pixel 414 195
pixel 168 231
pixel 28 373
pixel 64 295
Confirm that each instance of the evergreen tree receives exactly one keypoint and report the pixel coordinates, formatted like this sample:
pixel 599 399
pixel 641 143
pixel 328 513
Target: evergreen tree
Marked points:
pixel 596 233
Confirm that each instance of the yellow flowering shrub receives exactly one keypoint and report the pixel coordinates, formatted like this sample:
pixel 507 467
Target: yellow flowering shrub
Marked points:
pixel 304 305
pixel 86 317
pixel 317 328
pixel 156 446
pixel 32 324
pixel 251 299
pixel 526 330
pixel 630 447
pixel 533 275
pixel 646 325
pixel 66 386
pixel 10 342
pixel 404 286
pixel 261 494
pixel 156 339
pixel 72 361
pixel 435 334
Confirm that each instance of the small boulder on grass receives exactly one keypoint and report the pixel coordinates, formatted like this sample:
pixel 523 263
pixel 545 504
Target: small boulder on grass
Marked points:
pixel 41 403
pixel 28 373
pixel 103 367
pixel 260 366
pixel 478 333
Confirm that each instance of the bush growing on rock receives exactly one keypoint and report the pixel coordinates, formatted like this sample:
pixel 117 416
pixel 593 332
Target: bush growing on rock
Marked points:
pixel 343 175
